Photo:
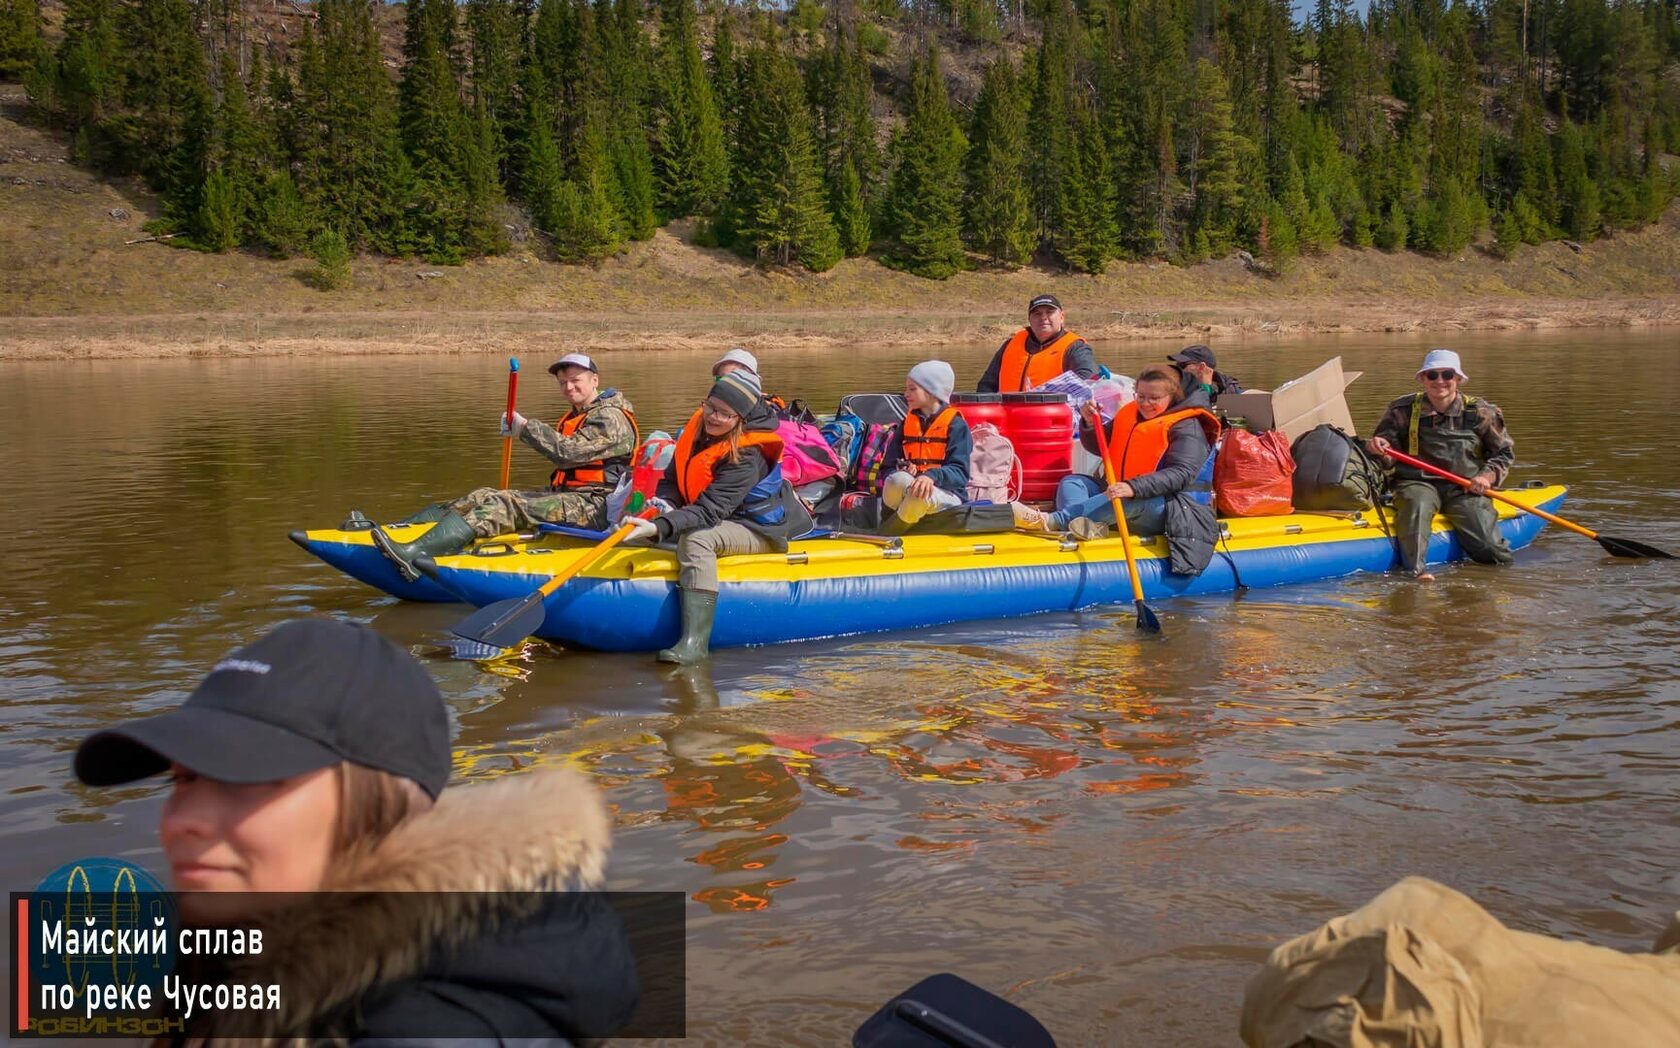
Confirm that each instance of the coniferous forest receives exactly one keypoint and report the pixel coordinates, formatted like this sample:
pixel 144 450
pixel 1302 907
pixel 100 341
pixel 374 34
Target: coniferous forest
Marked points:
pixel 1089 132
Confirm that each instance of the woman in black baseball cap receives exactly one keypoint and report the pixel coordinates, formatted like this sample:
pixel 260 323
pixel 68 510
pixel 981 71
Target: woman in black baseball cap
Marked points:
pixel 314 761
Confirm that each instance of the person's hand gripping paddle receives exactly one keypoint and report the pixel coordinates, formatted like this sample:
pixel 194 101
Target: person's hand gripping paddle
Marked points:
pixel 1146 619
pixel 507 441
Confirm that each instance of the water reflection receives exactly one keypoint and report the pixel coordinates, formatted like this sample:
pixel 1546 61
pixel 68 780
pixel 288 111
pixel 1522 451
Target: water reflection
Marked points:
pixel 1110 823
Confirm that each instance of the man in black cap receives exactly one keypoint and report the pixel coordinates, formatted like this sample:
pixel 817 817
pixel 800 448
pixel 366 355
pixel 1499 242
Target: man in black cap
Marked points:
pixel 591 448
pixel 1198 369
pixel 1038 352
pixel 311 694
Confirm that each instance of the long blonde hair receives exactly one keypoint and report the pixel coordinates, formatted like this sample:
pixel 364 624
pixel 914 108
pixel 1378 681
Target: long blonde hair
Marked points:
pixel 372 803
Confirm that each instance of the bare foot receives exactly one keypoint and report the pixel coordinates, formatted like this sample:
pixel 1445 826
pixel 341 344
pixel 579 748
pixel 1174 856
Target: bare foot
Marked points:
pixel 1424 576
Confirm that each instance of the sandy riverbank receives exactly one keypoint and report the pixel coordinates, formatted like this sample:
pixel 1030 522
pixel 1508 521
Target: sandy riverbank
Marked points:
pixel 71 287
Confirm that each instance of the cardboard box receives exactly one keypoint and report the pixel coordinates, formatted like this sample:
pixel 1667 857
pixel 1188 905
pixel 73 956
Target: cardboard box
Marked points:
pixel 1299 405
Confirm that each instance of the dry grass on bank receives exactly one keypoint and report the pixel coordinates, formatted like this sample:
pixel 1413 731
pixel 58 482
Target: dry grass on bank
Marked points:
pixel 71 288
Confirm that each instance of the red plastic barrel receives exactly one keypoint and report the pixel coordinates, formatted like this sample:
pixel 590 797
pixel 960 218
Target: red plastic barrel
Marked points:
pixel 976 408
pixel 1040 425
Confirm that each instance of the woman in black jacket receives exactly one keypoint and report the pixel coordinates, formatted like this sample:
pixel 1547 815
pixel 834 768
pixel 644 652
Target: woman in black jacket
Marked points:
pixel 313 761
pixel 726 495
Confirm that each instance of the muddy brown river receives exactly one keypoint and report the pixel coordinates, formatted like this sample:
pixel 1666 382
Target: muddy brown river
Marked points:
pixel 1108 828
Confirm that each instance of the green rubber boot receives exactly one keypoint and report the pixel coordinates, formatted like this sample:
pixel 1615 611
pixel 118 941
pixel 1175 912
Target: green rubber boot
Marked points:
pixel 435 512
pixel 451 534
pixel 699 609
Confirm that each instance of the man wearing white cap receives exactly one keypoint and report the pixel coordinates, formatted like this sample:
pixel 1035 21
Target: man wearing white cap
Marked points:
pixel 591 447
pixel 738 359
pixel 932 448
pixel 1460 434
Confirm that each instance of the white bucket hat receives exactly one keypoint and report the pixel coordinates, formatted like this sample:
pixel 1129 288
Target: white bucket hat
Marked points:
pixel 737 355
pixel 1442 358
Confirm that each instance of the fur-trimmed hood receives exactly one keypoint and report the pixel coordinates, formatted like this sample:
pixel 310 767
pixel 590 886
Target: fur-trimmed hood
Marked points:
pixel 486 950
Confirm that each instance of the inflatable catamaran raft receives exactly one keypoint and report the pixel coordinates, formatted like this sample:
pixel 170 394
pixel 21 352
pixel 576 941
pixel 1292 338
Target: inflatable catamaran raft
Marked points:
pixel 834 586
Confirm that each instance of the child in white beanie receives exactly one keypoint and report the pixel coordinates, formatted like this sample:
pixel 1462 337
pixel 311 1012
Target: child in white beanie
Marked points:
pixel 931 448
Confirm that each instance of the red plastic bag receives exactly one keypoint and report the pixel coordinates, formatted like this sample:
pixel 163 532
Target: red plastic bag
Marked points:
pixel 1251 477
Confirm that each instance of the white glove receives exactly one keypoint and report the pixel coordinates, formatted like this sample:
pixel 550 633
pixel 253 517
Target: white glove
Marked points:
pixel 642 532
pixel 660 505
pixel 514 430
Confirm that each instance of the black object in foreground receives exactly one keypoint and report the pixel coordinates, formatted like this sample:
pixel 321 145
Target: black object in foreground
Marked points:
pixel 945 1011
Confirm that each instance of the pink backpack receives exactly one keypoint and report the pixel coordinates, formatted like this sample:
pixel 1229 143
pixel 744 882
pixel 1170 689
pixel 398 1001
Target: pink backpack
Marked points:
pixel 806 454
pixel 994 472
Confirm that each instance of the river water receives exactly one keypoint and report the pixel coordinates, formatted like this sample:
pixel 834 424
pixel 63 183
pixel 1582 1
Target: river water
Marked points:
pixel 1109 828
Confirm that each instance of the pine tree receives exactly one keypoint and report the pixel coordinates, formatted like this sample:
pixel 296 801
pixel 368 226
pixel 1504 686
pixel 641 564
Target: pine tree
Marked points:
pixel 924 200
pixel 284 220
pixel 88 67
pixel 997 205
pixel 690 168
pixel 584 219
pixel 1051 120
pixel 851 213
pixel 218 220
pixel 350 162
pixel 1579 213
pixel 240 156
pixel 165 131
pixel 1215 159
pixel 777 201
pixel 495 28
pixel 1395 232
pixel 20 38
pixel 1507 233
pixel 1087 238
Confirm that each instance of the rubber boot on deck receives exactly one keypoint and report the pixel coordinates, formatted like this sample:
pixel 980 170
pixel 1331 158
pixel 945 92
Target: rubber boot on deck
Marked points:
pixel 699 609
pixel 451 534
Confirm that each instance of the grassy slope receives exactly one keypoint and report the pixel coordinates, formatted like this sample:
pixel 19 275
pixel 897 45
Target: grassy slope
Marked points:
pixel 70 287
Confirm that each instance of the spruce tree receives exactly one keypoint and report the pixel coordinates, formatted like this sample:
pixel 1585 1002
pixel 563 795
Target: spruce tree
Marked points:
pixel 585 220
pixel 777 203
pixel 165 131
pixel 851 213
pixel 1216 156
pixel 997 205
pixel 690 168
pixel 20 38
pixel 88 68
pixel 350 162
pixel 924 200
pixel 1087 238
pixel 1579 213
pixel 1395 231
pixel 1051 122
pixel 496 28
pixel 240 154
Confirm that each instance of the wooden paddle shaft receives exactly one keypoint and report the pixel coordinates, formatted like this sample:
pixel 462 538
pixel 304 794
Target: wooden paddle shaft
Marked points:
pixel 1119 514
pixel 507 442
pixel 1500 495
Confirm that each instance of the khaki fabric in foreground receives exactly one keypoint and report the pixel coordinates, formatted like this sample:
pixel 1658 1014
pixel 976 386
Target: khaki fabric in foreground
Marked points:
pixel 1421 966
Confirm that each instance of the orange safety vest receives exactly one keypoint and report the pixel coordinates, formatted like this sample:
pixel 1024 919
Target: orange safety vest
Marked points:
pixel 1021 371
pixel 925 450
pixel 589 474
pixel 1137 445
pixel 696 468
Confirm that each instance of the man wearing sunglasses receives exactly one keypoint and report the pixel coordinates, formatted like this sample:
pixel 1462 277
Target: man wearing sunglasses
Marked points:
pixel 1461 434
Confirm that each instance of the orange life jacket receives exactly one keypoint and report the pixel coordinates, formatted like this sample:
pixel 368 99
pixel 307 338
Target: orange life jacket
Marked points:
pixel 601 473
pixel 696 468
pixel 1137 446
pixel 1021 371
pixel 925 449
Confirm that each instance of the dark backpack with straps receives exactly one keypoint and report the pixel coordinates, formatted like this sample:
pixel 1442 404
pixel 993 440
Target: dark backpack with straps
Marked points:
pixel 1333 472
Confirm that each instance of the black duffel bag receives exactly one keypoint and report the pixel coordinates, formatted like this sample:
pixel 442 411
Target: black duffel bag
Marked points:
pixel 1334 472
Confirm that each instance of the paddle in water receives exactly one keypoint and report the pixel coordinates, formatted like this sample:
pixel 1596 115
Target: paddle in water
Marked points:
pixel 1614 546
pixel 1146 619
pixel 495 628
pixel 507 441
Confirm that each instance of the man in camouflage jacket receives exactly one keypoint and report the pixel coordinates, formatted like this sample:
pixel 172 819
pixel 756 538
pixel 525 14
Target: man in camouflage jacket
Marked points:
pixel 591 448
pixel 1462 434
